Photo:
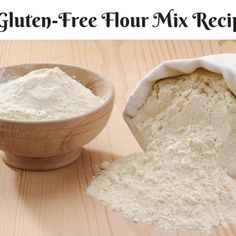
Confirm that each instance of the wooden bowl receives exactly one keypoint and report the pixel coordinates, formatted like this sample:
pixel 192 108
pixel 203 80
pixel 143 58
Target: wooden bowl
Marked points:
pixel 47 145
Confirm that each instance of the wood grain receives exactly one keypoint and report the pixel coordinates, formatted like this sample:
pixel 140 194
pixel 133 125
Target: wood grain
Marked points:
pixel 55 202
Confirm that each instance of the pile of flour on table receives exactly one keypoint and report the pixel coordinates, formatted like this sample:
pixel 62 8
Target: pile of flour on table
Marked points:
pixel 186 127
pixel 45 94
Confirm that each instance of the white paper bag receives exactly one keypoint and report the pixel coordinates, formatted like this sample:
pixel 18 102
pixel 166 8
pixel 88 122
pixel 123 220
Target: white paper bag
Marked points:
pixel 224 64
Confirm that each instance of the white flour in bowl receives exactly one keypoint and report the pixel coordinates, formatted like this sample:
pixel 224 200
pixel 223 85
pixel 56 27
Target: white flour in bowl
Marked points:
pixel 180 182
pixel 45 94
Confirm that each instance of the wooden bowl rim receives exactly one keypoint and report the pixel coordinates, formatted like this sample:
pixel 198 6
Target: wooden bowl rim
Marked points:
pixel 107 100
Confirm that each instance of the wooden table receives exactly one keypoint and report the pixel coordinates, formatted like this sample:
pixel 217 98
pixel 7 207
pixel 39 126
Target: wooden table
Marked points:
pixel 55 202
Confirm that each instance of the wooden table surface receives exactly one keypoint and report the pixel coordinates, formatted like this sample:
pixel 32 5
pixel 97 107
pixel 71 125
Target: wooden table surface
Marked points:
pixel 55 202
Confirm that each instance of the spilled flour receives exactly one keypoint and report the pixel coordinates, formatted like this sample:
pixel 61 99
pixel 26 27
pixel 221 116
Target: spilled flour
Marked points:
pixel 45 94
pixel 180 182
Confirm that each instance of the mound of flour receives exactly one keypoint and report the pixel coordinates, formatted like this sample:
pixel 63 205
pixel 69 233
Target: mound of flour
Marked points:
pixel 45 94
pixel 180 181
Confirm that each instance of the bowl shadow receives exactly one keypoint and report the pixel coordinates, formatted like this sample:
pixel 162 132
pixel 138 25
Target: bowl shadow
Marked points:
pixel 56 201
